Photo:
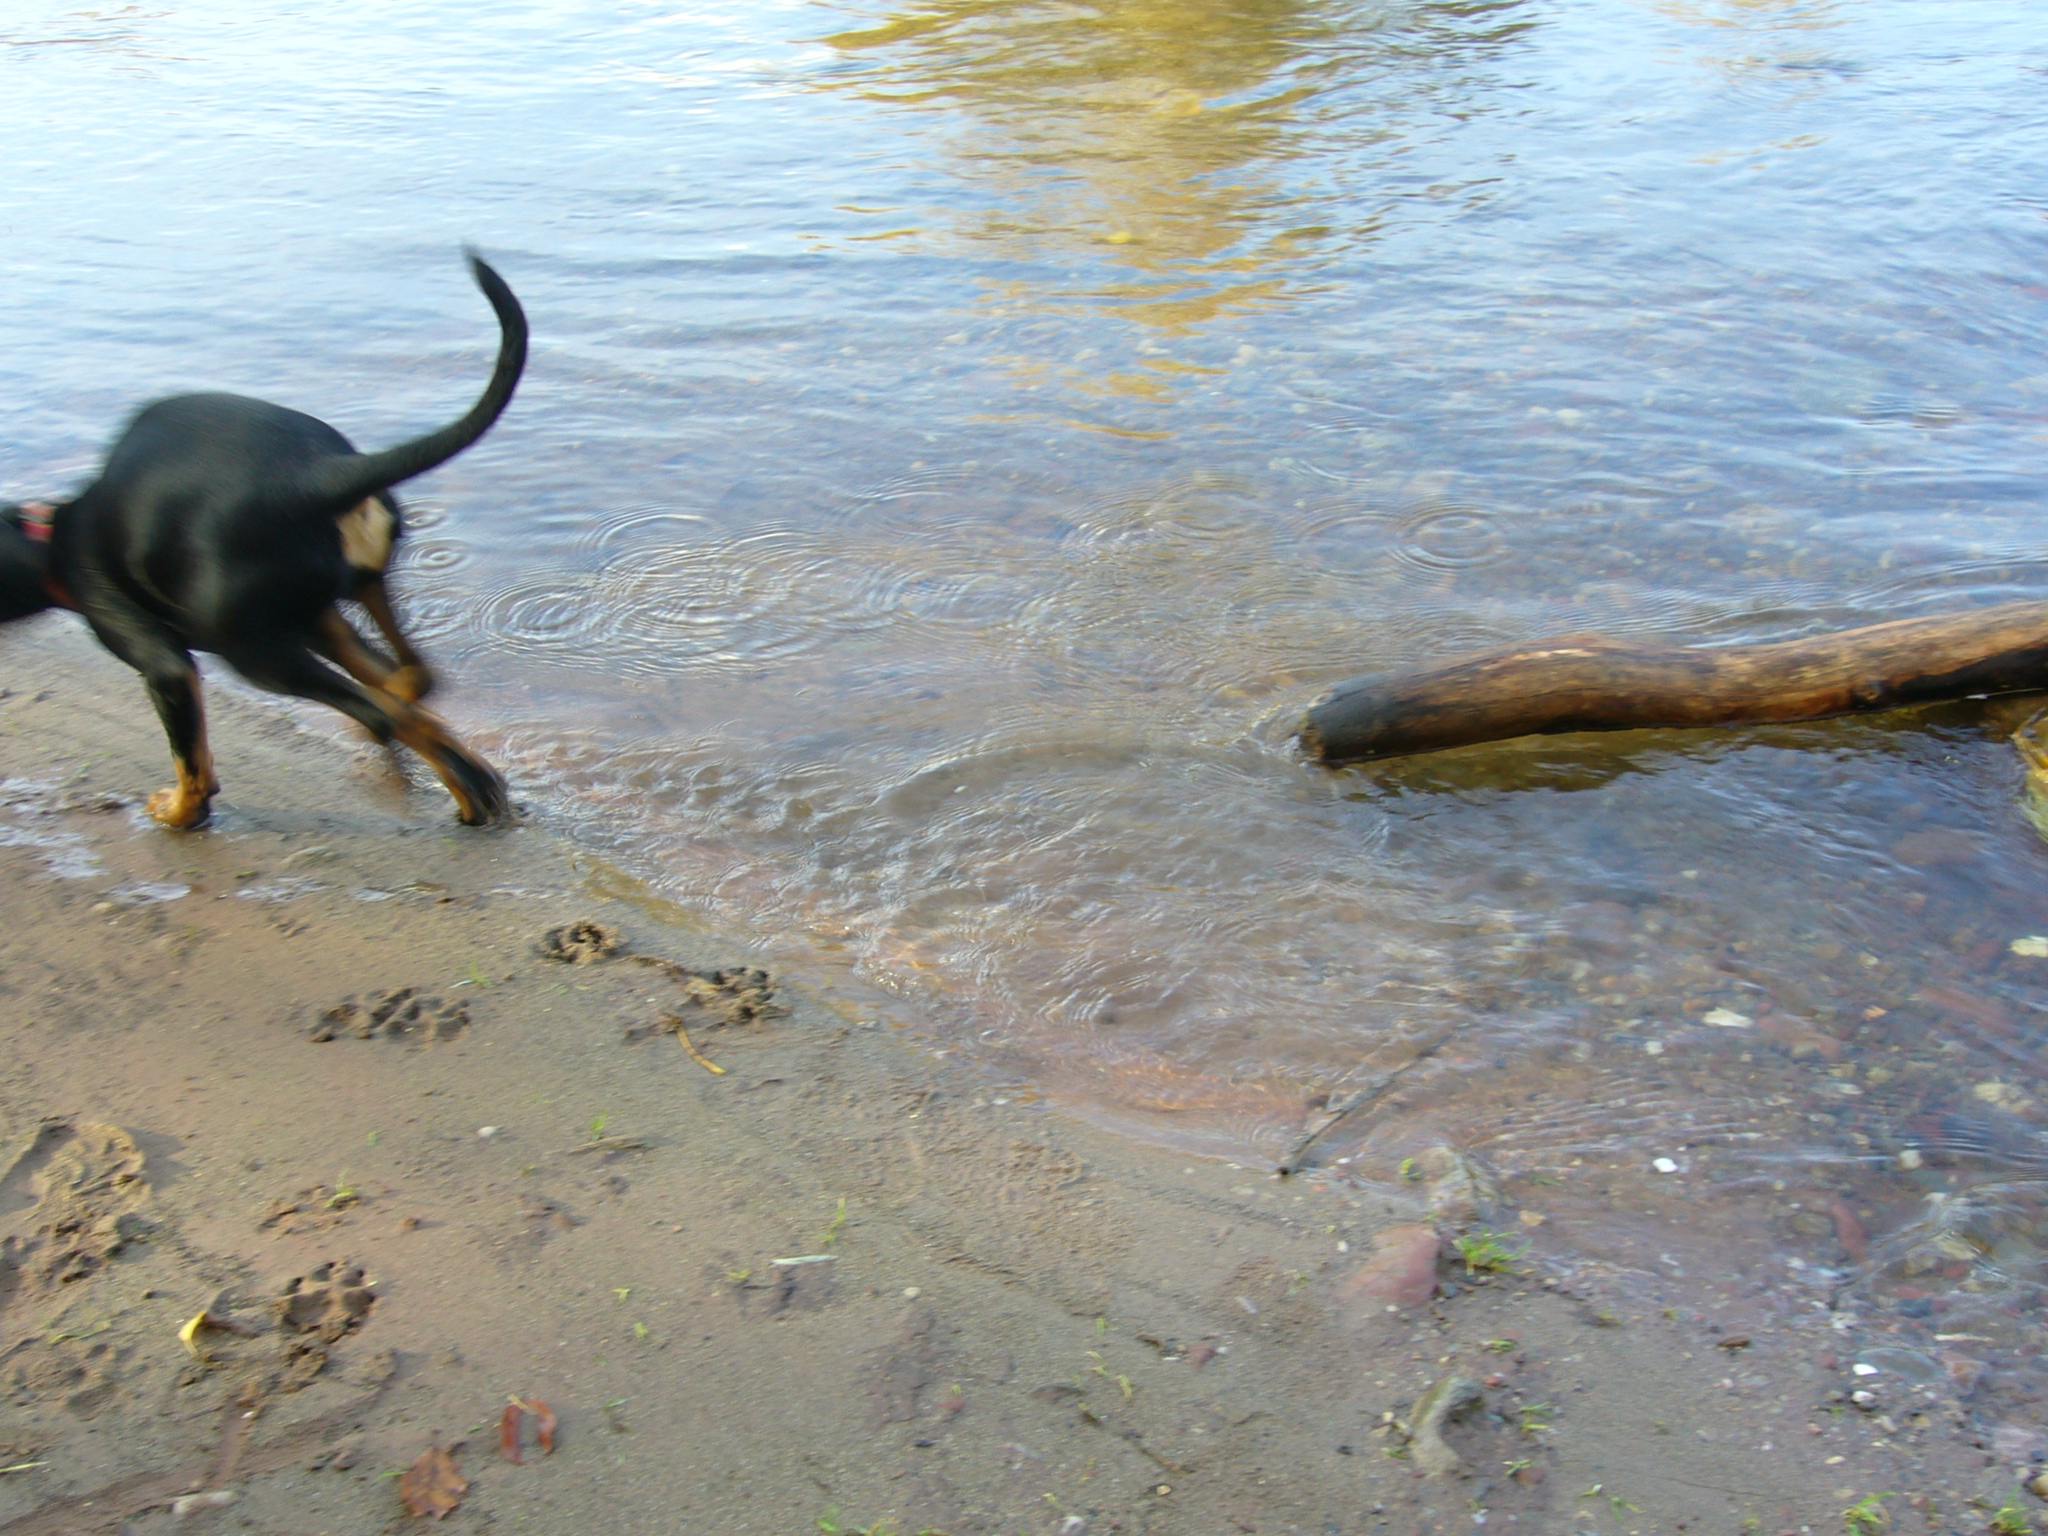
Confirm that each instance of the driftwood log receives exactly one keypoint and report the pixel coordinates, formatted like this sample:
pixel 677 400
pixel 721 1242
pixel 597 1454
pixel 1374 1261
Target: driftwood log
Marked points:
pixel 1590 682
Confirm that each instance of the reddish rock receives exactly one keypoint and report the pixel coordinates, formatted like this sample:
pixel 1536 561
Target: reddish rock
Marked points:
pixel 1988 1014
pixel 1799 1038
pixel 1964 1372
pixel 1400 1273
pixel 1849 1232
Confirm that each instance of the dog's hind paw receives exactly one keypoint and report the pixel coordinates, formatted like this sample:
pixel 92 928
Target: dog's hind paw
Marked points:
pixel 180 808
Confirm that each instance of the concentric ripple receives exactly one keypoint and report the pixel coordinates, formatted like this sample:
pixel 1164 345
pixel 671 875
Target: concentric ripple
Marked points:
pixel 1450 538
pixel 550 618
pixel 658 527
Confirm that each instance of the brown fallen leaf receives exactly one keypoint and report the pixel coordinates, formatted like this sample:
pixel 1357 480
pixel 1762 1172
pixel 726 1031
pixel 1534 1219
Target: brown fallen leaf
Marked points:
pixel 433 1486
pixel 544 1430
pixel 511 1427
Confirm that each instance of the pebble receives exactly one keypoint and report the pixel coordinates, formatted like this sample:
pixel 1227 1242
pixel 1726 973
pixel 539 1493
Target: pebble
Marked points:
pixel 488 1131
pixel 190 1503
pixel 1462 1187
pixel 1726 1018
pixel 1401 1271
pixel 911 1293
pixel 1664 1165
pixel 1451 1398
pixel 2003 1096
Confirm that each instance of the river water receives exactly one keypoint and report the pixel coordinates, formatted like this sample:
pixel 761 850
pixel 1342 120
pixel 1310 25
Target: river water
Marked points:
pixel 962 437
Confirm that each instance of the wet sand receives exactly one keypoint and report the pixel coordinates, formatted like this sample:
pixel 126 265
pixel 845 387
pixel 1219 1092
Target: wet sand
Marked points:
pixel 1012 1322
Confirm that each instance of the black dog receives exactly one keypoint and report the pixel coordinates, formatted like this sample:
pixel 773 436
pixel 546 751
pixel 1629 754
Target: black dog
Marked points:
pixel 233 526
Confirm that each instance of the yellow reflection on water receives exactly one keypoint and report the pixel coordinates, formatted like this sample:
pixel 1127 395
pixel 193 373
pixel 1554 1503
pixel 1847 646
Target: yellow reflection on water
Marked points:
pixel 1149 137
pixel 1172 164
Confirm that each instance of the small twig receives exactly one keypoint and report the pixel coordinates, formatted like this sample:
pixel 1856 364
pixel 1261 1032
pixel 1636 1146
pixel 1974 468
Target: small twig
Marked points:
pixel 1350 1105
pixel 675 1023
pixel 613 1144
pixel 22 1466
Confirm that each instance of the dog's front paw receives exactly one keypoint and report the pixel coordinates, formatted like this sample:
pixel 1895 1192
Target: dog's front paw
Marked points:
pixel 483 798
pixel 180 807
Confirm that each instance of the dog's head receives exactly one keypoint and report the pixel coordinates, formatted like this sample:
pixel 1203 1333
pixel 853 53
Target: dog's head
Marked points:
pixel 25 560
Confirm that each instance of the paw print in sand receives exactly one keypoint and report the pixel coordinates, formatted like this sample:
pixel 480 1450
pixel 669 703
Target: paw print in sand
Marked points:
pixel 582 942
pixel 330 1301
pixel 404 1011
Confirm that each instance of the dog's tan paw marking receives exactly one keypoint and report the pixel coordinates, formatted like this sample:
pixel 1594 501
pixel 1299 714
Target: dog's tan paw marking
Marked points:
pixel 179 808
pixel 411 683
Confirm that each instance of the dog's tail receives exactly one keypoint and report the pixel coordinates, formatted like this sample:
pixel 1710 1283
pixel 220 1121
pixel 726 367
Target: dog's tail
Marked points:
pixel 344 481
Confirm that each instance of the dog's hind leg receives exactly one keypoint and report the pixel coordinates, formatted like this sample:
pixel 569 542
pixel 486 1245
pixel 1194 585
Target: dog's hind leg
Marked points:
pixel 342 644
pixel 288 667
pixel 189 802
pixel 413 680
pixel 173 683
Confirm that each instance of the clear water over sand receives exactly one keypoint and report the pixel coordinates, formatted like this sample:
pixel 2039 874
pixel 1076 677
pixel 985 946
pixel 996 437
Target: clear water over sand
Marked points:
pixel 961 438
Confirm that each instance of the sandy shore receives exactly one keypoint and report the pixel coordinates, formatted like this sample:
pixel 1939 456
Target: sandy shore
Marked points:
pixel 520 1183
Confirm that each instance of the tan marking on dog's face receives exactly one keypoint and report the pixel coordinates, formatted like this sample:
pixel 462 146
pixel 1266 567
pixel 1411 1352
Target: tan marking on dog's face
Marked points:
pixel 368 531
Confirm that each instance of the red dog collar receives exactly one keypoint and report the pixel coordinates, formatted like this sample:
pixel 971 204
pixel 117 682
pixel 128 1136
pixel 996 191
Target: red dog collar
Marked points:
pixel 38 519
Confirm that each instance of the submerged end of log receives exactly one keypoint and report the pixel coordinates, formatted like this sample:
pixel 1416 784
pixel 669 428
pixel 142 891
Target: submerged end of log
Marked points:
pixel 1590 682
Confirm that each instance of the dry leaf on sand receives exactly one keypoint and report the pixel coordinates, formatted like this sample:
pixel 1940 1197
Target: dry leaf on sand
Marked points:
pixel 511 1428
pixel 433 1486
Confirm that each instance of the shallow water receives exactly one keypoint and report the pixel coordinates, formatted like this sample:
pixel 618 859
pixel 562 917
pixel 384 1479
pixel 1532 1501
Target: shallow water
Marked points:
pixel 961 438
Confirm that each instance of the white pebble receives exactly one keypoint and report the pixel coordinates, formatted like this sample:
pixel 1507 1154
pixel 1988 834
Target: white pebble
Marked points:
pixel 1665 1165
pixel 488 1131
pixel 1910 1159
pixel 911 1293
pixel 1653 1047
pixel 2033 945
pixel 1864 1370
pixel 1726 1018
pixel 186 1504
